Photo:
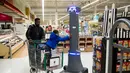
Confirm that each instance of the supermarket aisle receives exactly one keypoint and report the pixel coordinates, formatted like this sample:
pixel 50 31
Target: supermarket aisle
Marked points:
pixel 21 65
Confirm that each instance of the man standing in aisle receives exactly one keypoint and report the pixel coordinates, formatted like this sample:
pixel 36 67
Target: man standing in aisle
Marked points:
pixel 34 32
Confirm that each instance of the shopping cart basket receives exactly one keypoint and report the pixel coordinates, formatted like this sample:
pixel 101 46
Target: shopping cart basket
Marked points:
pixel 38 59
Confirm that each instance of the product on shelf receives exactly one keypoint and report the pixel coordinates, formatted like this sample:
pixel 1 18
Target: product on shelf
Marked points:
pixel 98 41
pixel 125 55
pixel 98 54
pixel 128 66
pixel 129 43
pixel 118 55
pixel 124 68
pixel 117 67
pixel 126 43
pixel 98 66
pixel 128 55
pixel 120 42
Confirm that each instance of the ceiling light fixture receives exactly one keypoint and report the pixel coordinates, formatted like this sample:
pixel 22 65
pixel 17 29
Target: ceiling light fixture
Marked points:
pixel 43 9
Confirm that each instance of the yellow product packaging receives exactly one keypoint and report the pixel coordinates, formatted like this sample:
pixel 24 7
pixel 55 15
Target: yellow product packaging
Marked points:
pixel 124 67
pixel 98 66
pixel 125 56
pixel 125 43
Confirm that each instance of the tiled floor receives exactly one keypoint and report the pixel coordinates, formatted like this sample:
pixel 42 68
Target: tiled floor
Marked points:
pixel 21 65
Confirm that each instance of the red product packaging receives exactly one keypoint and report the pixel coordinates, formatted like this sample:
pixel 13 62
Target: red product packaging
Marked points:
pixel 118 55
pixel 128 66
pixel 129 43
pixel 117 68
pixel 128 55
pixel 124 67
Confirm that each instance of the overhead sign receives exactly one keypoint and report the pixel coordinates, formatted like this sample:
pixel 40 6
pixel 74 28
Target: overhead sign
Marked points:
pixel 5 18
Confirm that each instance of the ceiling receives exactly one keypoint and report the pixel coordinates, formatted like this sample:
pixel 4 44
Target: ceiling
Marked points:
pixel 61 6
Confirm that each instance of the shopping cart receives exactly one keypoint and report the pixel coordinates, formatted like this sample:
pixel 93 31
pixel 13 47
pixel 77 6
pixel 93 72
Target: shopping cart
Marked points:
pixel 38 59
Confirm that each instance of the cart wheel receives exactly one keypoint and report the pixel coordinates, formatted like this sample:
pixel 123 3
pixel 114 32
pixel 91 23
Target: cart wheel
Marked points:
pixel 33 70
pixel 85 70
pixel 49 71
pixel 65 67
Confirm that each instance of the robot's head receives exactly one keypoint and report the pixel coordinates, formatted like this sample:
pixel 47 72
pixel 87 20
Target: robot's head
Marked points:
pixel 74 9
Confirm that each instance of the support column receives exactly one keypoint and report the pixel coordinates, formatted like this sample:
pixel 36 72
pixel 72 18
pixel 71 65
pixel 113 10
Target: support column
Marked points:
pixel 56 18
pixel 50 22
pixel 95 10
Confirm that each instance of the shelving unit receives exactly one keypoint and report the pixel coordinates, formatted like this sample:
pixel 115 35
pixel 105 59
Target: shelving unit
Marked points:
pixel 123 40
pixel 10 45
pixel 85 44
pixel 99 55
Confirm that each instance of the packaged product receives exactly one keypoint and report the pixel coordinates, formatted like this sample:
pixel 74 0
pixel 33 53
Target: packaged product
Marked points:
pixel 98 54
pixel 118 55
pixel 117 67
pixel 98 66
pixel 125 56
pixel 128 55
pixel 124 68
pixel 98 41
pixel 129 43
pixel 128 66
pixel 125 43
pixel 120 42
pixel 119 49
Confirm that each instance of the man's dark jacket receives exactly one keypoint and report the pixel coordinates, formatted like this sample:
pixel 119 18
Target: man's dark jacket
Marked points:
pixel 35 32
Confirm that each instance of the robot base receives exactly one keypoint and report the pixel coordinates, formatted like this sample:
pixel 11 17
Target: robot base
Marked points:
pixel 65 70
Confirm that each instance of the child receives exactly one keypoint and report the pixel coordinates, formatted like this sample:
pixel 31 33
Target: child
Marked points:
pixel 52 43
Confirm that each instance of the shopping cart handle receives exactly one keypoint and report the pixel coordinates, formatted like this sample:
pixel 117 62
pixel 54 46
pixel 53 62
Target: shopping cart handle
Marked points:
pixel 46 52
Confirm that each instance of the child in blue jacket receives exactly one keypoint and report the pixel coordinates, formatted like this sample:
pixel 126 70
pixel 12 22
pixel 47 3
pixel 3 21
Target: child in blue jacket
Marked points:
pixel 52 43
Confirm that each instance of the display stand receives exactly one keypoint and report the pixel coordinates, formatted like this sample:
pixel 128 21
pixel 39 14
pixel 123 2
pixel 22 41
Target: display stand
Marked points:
pixel 99 55
pixel 116 43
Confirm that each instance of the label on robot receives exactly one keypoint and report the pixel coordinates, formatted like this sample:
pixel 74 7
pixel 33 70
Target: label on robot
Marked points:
pixel 74 27
pixel 71 9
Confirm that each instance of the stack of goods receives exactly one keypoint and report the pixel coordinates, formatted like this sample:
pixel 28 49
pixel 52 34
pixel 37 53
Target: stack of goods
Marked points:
pixel 98 56
pixel 124 40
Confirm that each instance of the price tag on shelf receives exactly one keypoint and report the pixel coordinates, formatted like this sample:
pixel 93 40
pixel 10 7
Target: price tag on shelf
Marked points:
pixel 82 49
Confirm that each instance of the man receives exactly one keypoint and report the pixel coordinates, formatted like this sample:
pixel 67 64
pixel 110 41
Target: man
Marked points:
pixel 35 32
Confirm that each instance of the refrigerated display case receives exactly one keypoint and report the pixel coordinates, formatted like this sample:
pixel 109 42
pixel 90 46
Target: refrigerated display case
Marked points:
pixel 9 45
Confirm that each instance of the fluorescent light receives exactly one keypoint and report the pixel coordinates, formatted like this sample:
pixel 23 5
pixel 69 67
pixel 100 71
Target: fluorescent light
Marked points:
pixel 90 4
pixel 43 9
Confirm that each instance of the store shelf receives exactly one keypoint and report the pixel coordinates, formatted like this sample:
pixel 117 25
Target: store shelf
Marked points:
pixel 10 45
pixel 124 72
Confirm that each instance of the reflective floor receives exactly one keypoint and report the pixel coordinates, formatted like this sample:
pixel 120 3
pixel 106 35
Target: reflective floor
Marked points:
pixel 21 65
